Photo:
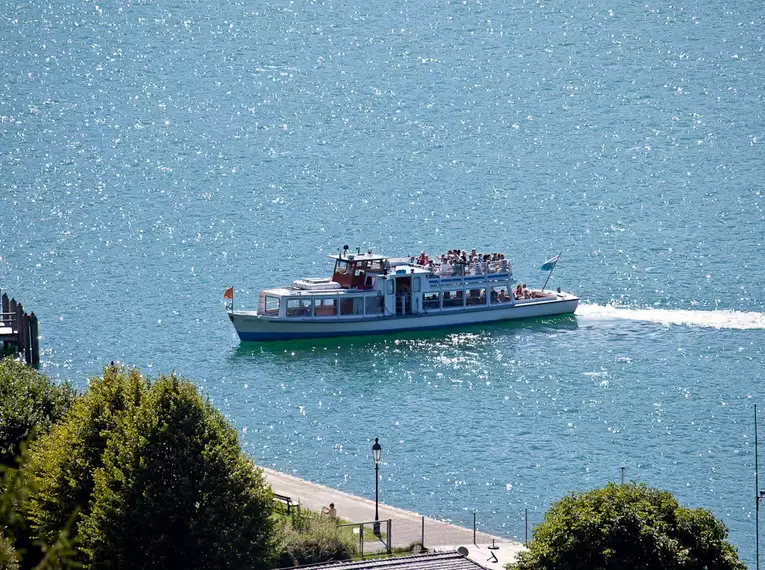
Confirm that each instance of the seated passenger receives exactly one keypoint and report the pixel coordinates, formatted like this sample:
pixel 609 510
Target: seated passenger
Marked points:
pixel 526 292
pixel 519 292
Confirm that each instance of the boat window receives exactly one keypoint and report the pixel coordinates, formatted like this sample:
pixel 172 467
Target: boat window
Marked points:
pixel 326 307
pixel 374 304
pixel 500 295
pixel 431 301
pixel 416 284
pixel 342 266
pixel 299 307
pixel 389 287
pixel 272 305
pixel 476 297
pixel 453 298
pixel 352 306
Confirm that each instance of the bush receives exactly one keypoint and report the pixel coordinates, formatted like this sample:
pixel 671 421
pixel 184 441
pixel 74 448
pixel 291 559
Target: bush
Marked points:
pixel 308 538
pixel 157 476
pixel 29 403
pixel 627 527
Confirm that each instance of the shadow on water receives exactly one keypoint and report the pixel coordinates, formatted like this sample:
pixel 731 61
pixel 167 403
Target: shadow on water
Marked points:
pixel 468 335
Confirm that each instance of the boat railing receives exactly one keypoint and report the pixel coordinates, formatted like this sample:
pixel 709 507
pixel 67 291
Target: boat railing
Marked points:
pixel 470 269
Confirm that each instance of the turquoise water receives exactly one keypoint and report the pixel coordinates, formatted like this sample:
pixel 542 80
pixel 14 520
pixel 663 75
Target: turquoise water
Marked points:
pixel 153 153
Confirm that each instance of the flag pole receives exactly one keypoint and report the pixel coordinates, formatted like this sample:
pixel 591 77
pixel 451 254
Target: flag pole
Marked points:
pixel 551 270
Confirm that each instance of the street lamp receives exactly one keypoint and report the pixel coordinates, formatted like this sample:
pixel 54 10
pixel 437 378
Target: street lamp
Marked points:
pixel 376 450
pixel 759 497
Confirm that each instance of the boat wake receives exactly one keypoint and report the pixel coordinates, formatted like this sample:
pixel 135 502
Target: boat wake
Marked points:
pixel 711 319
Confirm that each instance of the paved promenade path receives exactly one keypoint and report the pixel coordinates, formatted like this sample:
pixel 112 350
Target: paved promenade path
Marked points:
pixel 406 526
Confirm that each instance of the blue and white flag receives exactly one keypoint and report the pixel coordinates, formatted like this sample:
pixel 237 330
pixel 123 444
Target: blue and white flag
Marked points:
pixel 550 263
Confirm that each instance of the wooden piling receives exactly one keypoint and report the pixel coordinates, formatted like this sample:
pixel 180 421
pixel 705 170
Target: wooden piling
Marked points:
pixel 24 335
pixel 5 318
pixel 35 338
pixel 20 329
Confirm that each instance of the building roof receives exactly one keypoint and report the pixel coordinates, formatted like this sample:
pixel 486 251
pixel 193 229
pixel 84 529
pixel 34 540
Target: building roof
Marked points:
pixel 435 561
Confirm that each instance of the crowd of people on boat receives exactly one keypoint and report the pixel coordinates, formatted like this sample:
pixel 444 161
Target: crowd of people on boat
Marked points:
pixel 462 262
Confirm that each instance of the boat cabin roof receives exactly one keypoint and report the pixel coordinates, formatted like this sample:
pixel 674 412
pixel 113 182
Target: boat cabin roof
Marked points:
pixel 287 292
pixel 368 256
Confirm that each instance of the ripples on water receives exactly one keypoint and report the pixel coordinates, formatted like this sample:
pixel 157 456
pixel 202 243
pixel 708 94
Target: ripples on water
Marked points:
pixel 153 154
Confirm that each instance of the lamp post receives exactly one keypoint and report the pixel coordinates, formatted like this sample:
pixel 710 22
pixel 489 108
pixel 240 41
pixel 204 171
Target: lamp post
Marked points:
pixel 758 495
pixel 376 450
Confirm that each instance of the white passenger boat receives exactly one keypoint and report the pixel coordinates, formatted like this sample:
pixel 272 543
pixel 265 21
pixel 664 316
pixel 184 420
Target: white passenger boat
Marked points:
pixel 375 294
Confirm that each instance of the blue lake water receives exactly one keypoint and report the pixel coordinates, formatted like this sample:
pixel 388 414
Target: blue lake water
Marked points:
pixel 154 153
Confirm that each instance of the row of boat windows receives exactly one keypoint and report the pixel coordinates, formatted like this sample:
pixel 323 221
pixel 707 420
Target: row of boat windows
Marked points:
pixel 374 305
pixel 327 306
pixel 466 297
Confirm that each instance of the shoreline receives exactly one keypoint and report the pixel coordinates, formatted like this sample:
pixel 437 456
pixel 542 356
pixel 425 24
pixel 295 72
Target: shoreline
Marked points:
pixel 407 528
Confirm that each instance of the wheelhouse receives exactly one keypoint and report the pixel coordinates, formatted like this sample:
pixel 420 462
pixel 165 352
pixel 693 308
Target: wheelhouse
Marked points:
pixel 358 271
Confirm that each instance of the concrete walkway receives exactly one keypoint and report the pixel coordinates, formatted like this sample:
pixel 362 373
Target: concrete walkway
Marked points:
pixel 406 526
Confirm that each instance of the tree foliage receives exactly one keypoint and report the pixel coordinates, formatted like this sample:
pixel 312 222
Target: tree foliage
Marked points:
pixel 63 463
pixel 8 557
pixel 157 477
pixel 628 527
pixel 29 403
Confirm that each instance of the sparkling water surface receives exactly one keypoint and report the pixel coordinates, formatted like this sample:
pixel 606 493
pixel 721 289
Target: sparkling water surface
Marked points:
pixel 153 153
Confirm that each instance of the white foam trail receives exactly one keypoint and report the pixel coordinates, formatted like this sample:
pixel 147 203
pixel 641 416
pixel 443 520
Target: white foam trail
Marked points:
pixel 712 319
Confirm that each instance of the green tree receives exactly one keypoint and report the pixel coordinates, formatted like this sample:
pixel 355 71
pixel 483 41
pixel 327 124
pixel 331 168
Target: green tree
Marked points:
pixel 628 527
pixel 63 463
pixel 158 478
pixel 8 557
pixel 29 403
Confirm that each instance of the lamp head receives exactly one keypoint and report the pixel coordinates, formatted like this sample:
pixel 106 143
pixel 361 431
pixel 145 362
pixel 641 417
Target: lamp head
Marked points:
pixel 376 450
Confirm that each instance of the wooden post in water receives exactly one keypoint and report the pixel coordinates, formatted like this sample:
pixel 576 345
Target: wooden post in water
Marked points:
pixel 35 338
pixel 12 312
pixel 18 327
pixel 24 337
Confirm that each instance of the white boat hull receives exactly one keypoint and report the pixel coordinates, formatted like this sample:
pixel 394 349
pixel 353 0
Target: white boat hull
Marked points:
pixel 250 326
